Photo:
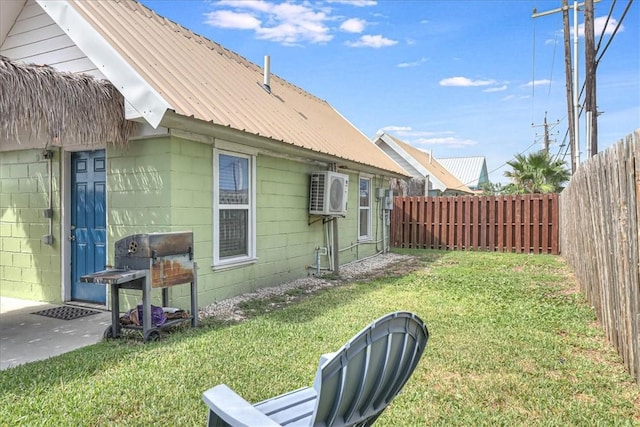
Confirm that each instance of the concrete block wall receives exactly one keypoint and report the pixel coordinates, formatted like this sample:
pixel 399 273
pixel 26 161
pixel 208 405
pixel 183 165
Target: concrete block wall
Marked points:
pixel 166 184
pixel 29 268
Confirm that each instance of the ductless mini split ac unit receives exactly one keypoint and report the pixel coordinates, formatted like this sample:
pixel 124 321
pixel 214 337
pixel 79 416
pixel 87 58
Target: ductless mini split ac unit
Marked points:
pixel 328 193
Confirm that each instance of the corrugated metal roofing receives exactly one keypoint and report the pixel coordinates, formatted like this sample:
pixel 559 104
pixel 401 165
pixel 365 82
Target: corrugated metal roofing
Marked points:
pixel 433 166
pixel 470 170
pixel 201 79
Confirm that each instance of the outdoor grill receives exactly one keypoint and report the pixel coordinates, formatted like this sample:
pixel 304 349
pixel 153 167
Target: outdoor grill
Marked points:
pixel 145 262
pixel 167 256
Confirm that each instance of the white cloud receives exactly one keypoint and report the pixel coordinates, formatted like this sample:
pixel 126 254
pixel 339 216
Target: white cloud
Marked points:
pixel 229 19
pixel 465 82
pixel 412 64
pixel 600 22
pixel 396 128
pixel 287 23
pixel 409 134
pixel 353 25
pixel 357 3
pixel 376 41
pixel 599 25
pixel 551 41
pixel 257 5
pixel 450 141
pixel 537 83
pixel 495 89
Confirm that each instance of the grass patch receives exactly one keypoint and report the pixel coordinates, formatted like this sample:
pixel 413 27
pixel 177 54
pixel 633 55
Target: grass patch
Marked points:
pixel 512 343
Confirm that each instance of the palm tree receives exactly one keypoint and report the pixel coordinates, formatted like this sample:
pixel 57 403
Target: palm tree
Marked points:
pixel 537 173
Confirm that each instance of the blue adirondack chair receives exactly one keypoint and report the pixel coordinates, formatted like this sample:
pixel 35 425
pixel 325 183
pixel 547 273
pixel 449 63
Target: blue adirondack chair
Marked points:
pixel 352 386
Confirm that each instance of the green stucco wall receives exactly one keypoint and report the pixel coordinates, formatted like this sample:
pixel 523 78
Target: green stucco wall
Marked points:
pixel 28 268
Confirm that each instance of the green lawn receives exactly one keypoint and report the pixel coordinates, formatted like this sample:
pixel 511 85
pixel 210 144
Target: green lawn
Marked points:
pixel 512 343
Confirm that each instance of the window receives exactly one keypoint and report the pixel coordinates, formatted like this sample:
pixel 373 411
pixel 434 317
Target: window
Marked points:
pixel 364 209
pixel 234 208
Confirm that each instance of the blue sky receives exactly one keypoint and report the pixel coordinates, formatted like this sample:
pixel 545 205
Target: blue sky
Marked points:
pixel 457 77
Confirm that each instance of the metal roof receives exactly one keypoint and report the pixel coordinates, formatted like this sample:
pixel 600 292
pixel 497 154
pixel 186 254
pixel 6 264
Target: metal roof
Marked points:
pixel 427 163
pixel 200 79
pixel 470 170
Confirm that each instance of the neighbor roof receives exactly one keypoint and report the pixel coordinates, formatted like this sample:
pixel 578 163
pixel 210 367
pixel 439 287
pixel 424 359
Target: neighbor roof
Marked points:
pixel 197 78
pixel 470 170
pixel 423 163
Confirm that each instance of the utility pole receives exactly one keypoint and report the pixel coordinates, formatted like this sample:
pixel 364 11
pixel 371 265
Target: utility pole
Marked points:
pixel 569 85
pixel 590 81
pixel 547 140
pixel 546 135
pixel 573 105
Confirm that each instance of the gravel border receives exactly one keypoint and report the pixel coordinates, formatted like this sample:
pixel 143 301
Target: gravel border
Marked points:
pixel 228 309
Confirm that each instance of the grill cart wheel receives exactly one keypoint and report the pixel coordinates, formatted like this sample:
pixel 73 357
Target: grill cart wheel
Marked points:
pixel 108 333
pixel 153 335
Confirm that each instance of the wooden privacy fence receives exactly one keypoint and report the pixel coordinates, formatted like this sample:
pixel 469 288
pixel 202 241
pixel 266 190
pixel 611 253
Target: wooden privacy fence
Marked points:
pixel 600 240
pixel 525 224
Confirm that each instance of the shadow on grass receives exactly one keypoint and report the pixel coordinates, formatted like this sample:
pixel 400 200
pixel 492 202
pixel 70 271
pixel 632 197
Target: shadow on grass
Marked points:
pixel 94 359
pixel 295 306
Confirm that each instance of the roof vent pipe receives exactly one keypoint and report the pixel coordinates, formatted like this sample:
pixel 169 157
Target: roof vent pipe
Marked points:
pixel 267 74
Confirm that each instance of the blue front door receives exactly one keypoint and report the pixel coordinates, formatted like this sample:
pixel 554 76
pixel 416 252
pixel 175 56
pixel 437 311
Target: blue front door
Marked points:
pixel 88 224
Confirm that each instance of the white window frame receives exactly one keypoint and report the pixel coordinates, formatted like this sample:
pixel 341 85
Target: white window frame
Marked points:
pixel 368 236
pixel 250 256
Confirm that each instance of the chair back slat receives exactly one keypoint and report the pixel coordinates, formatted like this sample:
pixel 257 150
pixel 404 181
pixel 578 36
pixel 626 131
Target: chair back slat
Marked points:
pixel 359 381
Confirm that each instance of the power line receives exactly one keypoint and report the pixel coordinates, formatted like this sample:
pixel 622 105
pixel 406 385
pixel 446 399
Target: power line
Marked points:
pixel 614 31
pixel 553 60
pixel 533 74
pixel 606 24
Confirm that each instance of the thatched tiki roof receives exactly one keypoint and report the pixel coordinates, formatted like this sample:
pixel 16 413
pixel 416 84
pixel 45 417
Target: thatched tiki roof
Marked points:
pixel 70 108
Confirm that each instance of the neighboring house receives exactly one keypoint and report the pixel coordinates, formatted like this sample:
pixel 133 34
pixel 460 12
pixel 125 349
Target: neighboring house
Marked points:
pixel 181 135
pixel 470 170
pixel 429 178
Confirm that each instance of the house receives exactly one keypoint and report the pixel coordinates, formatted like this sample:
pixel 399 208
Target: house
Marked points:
pixel 116 121
pixel 470 170
pixel 429 177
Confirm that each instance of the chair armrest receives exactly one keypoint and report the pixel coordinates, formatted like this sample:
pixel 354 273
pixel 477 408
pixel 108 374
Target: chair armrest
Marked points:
pixel 233 409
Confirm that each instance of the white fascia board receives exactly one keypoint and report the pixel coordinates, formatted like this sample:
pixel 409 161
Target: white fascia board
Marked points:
pixel 142 97
pixel 413 162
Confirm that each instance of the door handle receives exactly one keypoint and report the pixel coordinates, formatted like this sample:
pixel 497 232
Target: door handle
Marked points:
pixel 72 238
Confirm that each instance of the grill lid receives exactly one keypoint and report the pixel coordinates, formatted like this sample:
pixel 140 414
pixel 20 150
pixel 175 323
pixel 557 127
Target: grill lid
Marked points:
pixel 153 245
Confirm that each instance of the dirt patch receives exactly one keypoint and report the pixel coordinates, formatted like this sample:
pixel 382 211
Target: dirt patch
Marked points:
pixel 242 307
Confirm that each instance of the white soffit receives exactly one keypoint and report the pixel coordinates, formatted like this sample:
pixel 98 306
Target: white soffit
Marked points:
pixel 136 91
pixel 9 11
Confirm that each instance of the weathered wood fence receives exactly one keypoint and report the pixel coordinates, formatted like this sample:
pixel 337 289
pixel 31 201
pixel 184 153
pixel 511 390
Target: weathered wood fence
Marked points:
pixel 600 240
pixel 526 224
